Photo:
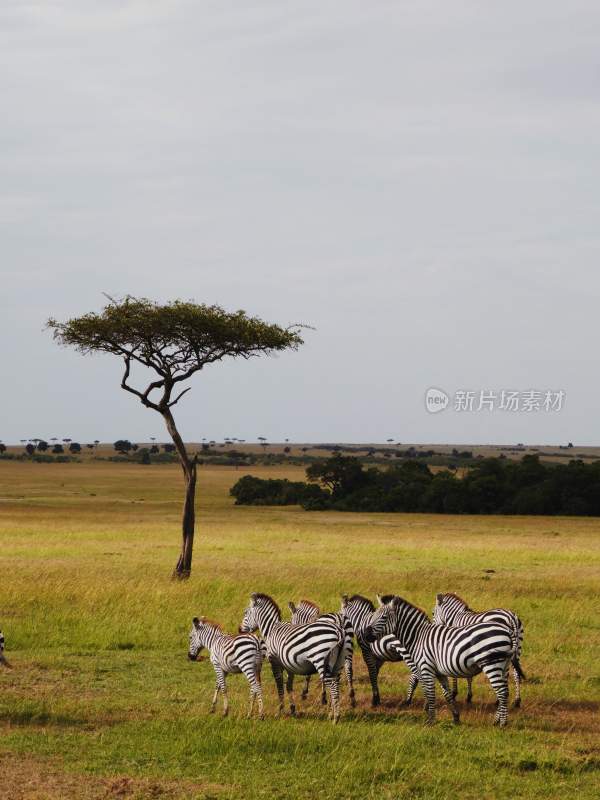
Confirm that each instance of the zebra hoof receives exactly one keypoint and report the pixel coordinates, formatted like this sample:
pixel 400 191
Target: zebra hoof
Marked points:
pixel 352 702
pixel 456 719
pixel 517 703
pixel 406 703
pixel 293 711
pixel 469 699
pixel 323 699
pixel 304 695
pixel 376 701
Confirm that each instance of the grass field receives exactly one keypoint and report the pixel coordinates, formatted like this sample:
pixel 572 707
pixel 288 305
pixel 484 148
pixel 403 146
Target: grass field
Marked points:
pixel 101 701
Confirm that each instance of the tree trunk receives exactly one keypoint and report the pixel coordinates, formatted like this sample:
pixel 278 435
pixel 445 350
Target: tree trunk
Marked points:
pixel 188 521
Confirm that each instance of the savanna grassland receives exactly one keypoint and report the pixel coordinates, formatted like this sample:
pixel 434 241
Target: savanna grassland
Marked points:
pixel 101 701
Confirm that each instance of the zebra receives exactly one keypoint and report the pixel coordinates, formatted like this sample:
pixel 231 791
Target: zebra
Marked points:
pixel 320 646
pixel 306 611
pixel 359 610
pixel 450 609
pixel 438 651
pixel 229 654
pixel 2 656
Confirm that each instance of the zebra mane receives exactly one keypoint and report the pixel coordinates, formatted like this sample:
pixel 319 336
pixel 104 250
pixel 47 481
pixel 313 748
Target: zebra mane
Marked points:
pixel 308 603
pixel 360 597
pixel 260 596
pixel 396 597
pixel 211 623
pixel 457 597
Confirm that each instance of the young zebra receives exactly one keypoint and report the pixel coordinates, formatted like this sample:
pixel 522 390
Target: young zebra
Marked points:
pixel 229 654
pixel 452 610
pixel 306 611
pixel 359 610
pixel 319 646
pixel 437 651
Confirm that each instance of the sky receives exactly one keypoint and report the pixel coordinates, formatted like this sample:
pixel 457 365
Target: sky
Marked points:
pixel 419 182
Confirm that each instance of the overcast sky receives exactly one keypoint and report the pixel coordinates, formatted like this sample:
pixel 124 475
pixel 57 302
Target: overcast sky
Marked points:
pixel 418 181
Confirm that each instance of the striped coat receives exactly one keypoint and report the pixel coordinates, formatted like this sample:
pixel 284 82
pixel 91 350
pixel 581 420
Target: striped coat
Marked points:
pixel 438 651
pixel 450 609
pixel 229 655
pixel 318 647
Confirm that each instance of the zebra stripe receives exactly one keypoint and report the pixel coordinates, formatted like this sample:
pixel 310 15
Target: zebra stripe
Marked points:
pixel 359 610
pixel 229 655
pixel 318 646
pixel 306 611
pixel 2 656
pixel 450 609
pixel 438 651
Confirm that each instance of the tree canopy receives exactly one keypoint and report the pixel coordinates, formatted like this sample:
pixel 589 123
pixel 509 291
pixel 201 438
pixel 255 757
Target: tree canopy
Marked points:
pixel 174 339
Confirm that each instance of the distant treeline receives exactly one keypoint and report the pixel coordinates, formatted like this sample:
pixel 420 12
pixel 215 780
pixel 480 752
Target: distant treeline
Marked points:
pixel 493 486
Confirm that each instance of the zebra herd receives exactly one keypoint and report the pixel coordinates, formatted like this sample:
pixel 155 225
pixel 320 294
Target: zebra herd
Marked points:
pixel 459 643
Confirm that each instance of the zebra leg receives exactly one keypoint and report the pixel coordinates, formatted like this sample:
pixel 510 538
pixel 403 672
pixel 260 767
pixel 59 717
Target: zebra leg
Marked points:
pixel 371 662
pixel 253 678
pixel 428 684
pixel 517 680
pixel 498 678
pixel 290 691
pixel 455 688
pixel 304 694
pixel 413 682
pixel 348 669
pixel 469 690
pixel 222 686
pixel 323 694
pixel 278 675
pixel 334 693
pixel 213 705
pixel 449 697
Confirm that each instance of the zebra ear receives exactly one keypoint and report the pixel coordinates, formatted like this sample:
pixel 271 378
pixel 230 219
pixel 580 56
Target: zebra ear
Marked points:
pixel 344 600
pixel 439 598
pixel 253 596
pixel 196 622
pixel 292 607
pixel 379 600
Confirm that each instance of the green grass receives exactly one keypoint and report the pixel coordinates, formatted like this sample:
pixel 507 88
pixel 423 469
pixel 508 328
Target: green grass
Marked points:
pixel 97 635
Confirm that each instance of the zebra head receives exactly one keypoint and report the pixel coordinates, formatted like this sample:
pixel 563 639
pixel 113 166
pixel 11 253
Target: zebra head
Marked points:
pixel 196 639
pixel 381 621
pixel 304 612
pixel 261 614
pixel 447 606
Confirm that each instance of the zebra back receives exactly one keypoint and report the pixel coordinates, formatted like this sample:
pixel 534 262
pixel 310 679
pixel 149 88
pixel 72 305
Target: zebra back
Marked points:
pixel 305 611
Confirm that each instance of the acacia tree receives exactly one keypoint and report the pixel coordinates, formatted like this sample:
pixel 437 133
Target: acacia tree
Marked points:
pixel 174 341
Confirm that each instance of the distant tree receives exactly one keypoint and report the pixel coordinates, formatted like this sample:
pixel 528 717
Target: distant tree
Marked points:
pixel 341 474
pixel 263 442
pixel 122 446
pixel 42 446
pixel 75 447
pixel 30 448
pixel 67 441
pixel 175 340
pixel 90 446
pixel 2 447
pixel 134 447
pixel 58 448
pixel 287 449
pixel 169 448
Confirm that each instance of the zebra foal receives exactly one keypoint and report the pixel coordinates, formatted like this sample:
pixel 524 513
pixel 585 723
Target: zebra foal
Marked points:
pixel 438 651
pixel 450 609
pixel 316 647
pixel 229 655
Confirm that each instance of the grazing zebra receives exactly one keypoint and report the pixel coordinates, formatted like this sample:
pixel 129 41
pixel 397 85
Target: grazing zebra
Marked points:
pixel 229 654
pixel 452 610
pixel 359 610
pixel 437 651
pixel 306 611
pixel 2 658
pixel 320 646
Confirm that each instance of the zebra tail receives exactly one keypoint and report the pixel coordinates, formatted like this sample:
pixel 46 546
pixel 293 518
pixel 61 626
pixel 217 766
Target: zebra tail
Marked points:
pixel 517 666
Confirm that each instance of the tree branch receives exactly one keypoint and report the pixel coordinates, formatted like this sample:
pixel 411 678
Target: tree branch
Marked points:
pixel 143 397
pixel 179 396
